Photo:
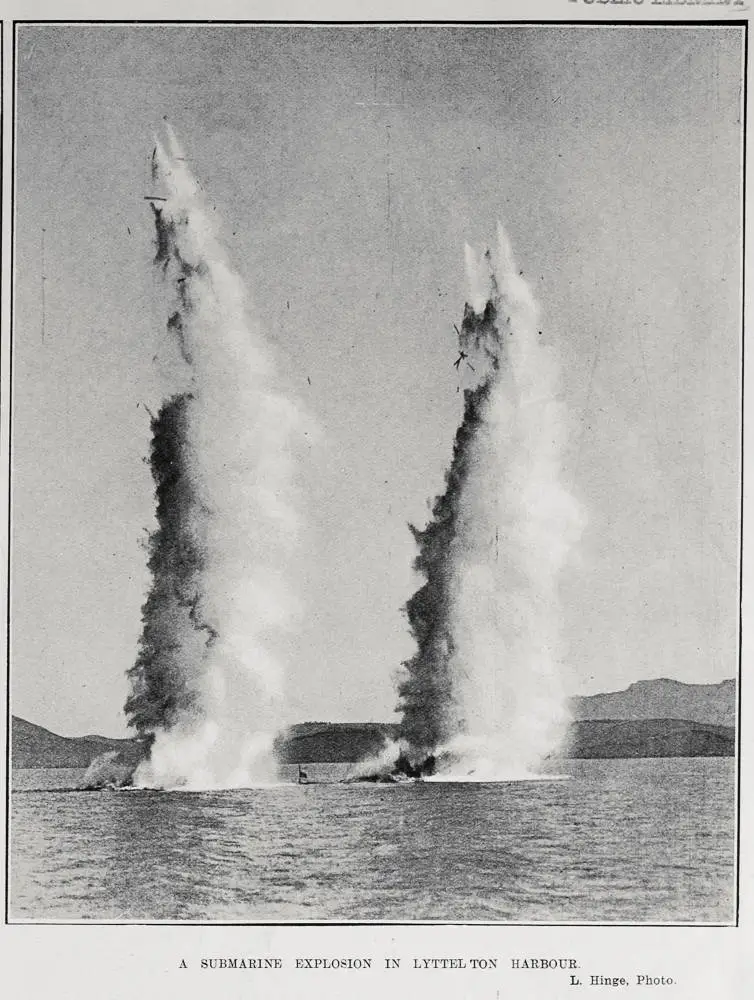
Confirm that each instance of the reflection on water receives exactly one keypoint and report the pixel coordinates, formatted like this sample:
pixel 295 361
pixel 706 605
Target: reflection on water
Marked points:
pixel 629 841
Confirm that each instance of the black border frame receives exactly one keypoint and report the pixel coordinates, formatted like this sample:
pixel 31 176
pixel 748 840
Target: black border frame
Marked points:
pixel 9 255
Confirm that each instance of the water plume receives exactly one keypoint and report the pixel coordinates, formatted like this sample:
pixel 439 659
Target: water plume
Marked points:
pixel 206 692
pixel 483 694
pixel 379 767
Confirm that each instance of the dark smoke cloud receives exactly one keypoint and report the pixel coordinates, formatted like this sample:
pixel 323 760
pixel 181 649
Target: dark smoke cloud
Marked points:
pixel 164 685
pixel 483 694
pixel 431 715
pixel 206 688
pixel 165 237
pixel 173 629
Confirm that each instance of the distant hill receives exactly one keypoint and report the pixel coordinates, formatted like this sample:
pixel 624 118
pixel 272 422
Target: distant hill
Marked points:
pixel 609 738
pixel 655 718
pixel 663 699
pixel 334 742
pixel 33 746
pixel 659 718
pixel 591 738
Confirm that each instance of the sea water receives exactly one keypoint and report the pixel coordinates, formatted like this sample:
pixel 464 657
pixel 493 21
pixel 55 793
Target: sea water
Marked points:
pixel 625 841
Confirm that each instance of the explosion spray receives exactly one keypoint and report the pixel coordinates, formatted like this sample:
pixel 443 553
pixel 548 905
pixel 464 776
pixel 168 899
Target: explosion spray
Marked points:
pixel 206 688
pixel 483 692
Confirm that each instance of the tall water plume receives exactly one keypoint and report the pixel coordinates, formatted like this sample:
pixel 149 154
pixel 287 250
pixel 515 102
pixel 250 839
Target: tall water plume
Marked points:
pixel 206 688
pixel 483 693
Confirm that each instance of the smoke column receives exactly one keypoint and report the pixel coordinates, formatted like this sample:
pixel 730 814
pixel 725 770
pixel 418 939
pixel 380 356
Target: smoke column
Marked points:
pixel 206 688
pixel 483 692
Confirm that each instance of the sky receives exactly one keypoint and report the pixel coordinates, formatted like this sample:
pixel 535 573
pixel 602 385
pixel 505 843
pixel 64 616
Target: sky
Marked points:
pixel 348 166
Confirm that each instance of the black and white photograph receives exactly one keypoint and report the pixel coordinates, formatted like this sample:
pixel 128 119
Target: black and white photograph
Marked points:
pixel 374 423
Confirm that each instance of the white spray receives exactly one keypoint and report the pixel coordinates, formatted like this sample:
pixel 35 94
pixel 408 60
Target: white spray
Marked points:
pixel 483 696
pixel 516 530
pixel 240 439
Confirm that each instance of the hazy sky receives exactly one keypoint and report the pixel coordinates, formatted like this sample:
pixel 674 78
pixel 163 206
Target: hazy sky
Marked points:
pixel 348 166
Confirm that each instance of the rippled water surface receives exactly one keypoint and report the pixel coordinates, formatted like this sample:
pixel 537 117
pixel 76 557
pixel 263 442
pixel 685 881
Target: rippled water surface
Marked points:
pixel 629 841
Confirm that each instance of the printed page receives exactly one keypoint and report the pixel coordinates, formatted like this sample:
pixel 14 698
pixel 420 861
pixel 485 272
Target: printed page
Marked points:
pixel 373 436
